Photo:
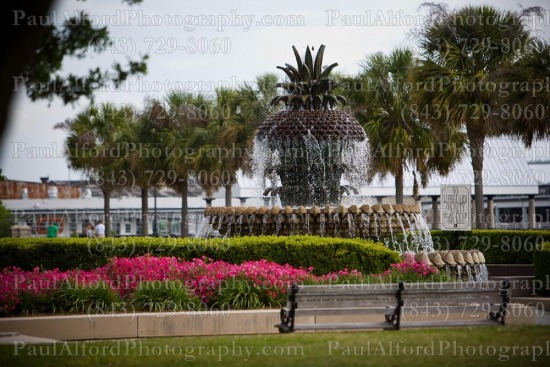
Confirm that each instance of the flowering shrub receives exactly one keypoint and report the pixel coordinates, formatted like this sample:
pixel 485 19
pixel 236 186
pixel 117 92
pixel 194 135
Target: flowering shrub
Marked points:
pixel 15 284
pixel 212 283
pixel 410 270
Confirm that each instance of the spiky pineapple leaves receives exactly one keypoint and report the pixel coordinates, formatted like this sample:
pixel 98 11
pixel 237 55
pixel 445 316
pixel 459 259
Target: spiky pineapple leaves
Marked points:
pixel 310 87
pixel 298 58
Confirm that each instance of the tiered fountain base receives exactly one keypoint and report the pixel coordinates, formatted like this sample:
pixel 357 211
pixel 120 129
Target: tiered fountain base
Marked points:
pixel 400 226
pixel 461 265
pixel 374 222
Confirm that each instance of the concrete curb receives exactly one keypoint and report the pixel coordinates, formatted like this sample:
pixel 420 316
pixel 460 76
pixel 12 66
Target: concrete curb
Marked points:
pixel 138 325
pixel 142 325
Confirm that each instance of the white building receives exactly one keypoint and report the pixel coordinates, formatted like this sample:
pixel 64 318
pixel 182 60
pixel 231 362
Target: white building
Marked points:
pixel 516 189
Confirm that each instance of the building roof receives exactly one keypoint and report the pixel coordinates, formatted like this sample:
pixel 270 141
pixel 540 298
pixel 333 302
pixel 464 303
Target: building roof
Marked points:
pixel 541 170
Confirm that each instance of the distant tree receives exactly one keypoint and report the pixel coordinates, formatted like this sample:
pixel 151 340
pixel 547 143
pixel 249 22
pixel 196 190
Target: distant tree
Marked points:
pixel 226 134
pixel 170 124
pixel 6 217
pixel 462 54
pixel 146 158
pixel 6 221
pixel 36 49
pixel 96 145
pixel 188 113
pixel 76 37
pixel 208 167
pixel 399 137
pixel 524 112
pixel 239 113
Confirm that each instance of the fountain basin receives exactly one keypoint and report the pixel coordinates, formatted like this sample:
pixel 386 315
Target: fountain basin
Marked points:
pixel 367 221
pixel 461 265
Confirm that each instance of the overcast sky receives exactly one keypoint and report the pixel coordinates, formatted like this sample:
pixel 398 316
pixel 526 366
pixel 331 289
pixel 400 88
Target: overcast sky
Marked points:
pixel 199 45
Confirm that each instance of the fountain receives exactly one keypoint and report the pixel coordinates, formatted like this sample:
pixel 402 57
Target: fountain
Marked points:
pixel 368 222
pixel 308 150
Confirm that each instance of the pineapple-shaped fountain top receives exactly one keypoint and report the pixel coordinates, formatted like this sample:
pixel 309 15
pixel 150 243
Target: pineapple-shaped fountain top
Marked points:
pixel 310 104
pixel 311 145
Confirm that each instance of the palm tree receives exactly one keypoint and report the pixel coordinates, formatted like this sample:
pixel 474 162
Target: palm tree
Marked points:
pixel 399 137
pixel 524 111
pixel 144 161
pixel 392 129
pixel 242 111
pixel 180 115
pixel 461 50
pixel 96 144
pixel 222 117
pixel 208 167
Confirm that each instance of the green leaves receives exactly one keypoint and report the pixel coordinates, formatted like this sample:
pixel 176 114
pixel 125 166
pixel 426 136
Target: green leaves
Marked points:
pixel 319 62
pixel 240 293
pixel 325 74
pixel 318 252
pixel 6 216
pixel 168 295
pixel 541 262
pixel 310 86
pixel 89 298
pixel 298 58
pixel 77 37
pixel 470 59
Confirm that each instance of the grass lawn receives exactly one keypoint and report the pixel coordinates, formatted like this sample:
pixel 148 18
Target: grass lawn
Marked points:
pixel 456 347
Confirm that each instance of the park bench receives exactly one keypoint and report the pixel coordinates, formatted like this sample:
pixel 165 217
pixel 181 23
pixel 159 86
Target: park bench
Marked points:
pixel 394 306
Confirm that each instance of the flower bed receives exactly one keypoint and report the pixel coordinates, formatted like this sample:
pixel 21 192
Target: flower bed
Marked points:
pixel 167 283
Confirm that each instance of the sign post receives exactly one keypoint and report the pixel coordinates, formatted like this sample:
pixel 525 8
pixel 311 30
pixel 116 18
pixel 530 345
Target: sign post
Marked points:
pixel 456 208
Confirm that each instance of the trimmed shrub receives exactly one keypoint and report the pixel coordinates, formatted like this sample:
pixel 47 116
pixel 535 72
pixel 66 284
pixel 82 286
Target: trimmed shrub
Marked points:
pixel 541 260
pixel 324 254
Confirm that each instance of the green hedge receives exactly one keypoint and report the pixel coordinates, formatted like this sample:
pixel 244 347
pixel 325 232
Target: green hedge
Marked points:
pixel 323 253
pixel 498 246
pixel 541 260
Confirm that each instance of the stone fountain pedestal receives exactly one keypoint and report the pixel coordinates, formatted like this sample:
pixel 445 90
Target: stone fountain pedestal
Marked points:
pixel 461 265
pixel 367 222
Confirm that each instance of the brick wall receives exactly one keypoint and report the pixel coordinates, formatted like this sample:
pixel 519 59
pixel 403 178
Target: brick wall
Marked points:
pixel 11 189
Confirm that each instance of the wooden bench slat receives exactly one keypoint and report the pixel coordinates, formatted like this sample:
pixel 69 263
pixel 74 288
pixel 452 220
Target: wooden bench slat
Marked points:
pixel 346 311
pixel 365 303
pixel 365 292
pixel 345 326
pixel 471 312
pixel 343 304
pixel 409 287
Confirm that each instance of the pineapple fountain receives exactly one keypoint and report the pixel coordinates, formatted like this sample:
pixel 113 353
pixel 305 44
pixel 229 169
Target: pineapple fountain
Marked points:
pixel 310 147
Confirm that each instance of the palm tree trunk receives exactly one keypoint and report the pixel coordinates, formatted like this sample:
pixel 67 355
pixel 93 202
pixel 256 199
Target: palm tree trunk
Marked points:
pixel 399 185
pixel 145 211
pixel 184 209
pixel 477 140
pixel 107 211
pixel 228 195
